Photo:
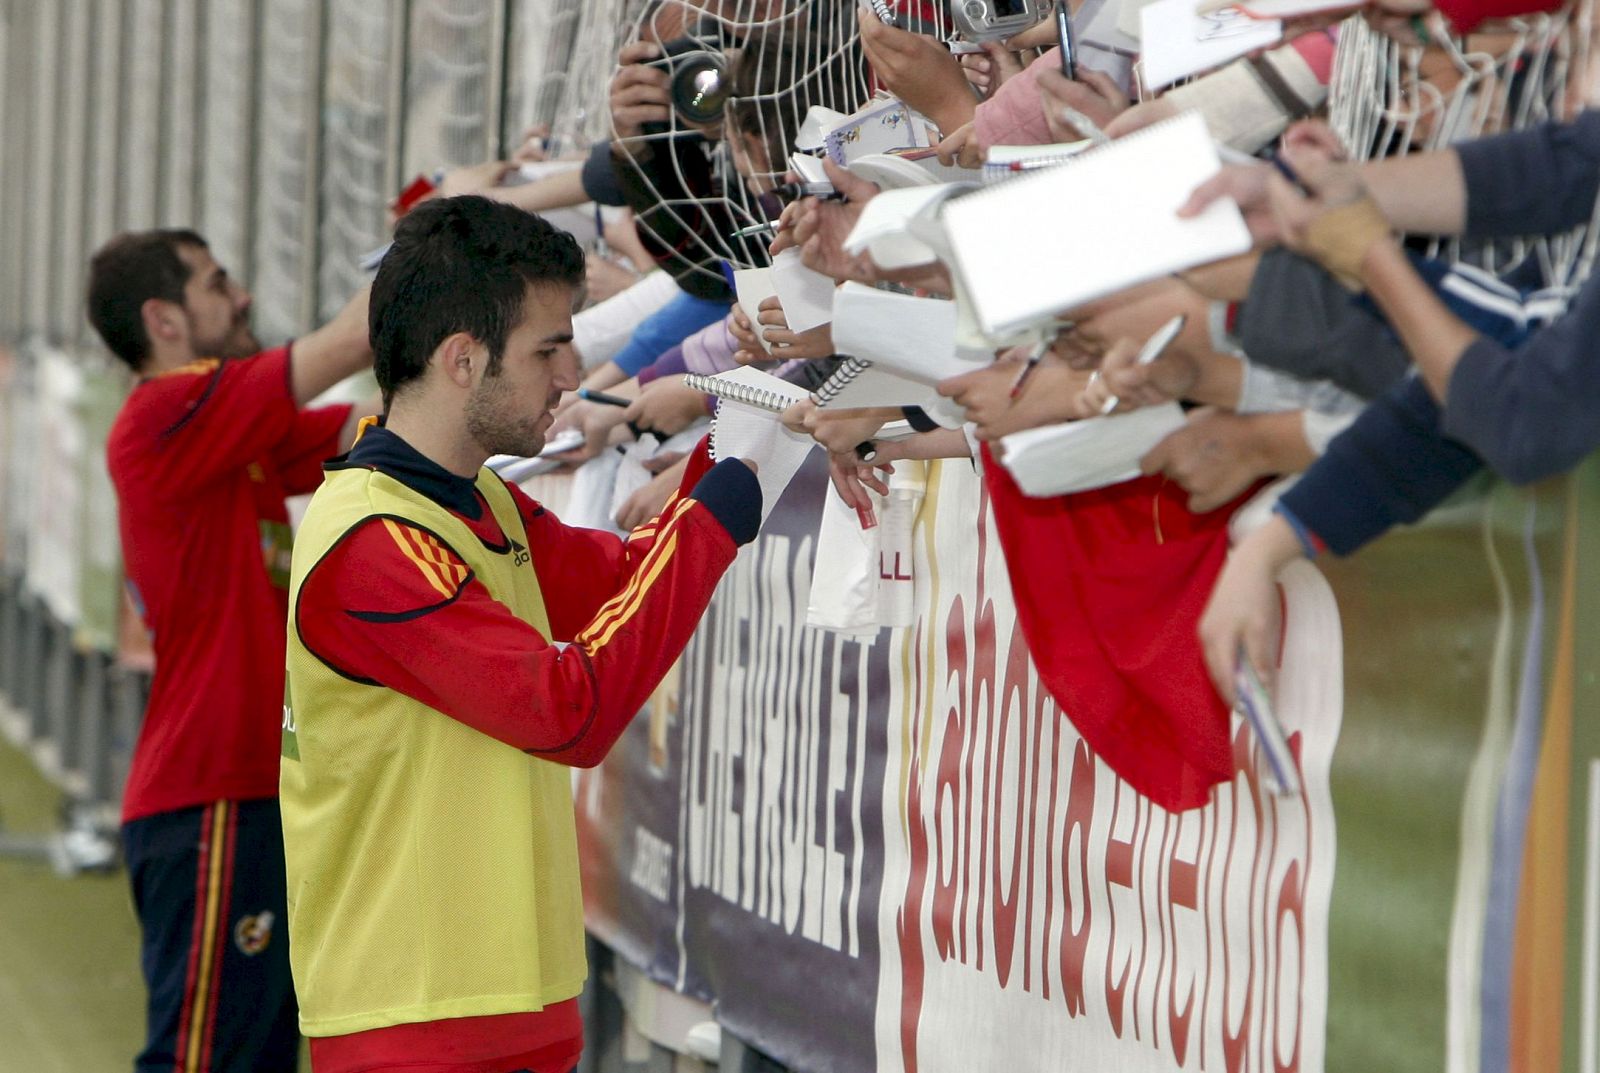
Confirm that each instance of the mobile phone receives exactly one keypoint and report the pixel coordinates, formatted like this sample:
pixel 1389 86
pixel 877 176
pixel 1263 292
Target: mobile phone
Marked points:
pixel 1256 705
pixel 1068 43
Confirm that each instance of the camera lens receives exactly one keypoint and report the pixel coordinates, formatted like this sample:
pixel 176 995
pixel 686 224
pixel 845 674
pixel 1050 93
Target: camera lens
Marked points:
pixel 700 86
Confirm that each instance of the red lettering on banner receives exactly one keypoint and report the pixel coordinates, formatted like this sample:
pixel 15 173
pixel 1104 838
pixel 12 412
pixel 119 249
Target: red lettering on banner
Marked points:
pixel 947 787
pixel 908 922
pixel 1004 913
pixel 1236 1034
pixel 1119 872
pixel 1291 904
pixel 983 689
pixel 953 846
pixel 886 573
pixel 1183 889
pixel 1075 941
pixel 1017 670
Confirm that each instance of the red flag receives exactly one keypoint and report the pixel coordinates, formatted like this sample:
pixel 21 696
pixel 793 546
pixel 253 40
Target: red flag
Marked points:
pixel 1109 588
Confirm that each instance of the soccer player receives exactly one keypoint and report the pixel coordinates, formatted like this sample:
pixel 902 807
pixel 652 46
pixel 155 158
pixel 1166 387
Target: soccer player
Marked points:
pixel 453 649
pixel 211 439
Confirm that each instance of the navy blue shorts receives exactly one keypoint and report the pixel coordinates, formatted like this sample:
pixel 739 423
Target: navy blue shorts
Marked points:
pixel 209 889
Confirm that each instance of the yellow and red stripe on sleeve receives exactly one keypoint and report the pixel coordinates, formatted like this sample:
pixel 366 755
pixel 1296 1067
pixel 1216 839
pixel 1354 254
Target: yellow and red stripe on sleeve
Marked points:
pixel 439 566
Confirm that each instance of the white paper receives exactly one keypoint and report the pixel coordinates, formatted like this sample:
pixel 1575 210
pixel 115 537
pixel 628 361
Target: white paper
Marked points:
pixel 1030 248
pixel 741 431
pixel 808 167
pixel 1082 455
pixel 814 130
pixel 883 229
pixel 754 286
pixel 807 295
pixel 878 126
pixel 903 333
pixel 1177 42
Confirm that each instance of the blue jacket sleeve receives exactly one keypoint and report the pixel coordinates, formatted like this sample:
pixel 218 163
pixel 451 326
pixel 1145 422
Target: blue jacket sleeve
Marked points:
pixel 1390 467
pixel 1533 411
pixel 666 328
pixel 1536 181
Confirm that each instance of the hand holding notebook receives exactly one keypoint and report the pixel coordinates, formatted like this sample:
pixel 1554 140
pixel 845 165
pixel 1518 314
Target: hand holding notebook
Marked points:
pixel 747 426
pixel 1024 250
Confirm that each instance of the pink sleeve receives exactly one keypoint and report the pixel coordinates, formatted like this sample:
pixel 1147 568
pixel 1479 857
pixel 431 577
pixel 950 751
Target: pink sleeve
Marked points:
pixel 1013 116
pixel 1317 50
pixel 711 349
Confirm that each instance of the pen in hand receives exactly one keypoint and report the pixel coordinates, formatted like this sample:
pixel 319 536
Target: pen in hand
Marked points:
pixel 1034 357
pixel 1153 348
pixel 589 395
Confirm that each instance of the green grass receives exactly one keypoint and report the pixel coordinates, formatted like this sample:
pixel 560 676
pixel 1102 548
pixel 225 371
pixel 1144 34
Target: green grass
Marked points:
pixel 70 994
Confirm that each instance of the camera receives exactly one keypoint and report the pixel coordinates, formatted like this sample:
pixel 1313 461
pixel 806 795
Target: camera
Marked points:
pixel 995 20
pixel 700 82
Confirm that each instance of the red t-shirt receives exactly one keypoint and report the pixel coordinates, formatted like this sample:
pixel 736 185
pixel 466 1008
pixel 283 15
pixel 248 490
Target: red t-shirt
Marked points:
pixel 202 458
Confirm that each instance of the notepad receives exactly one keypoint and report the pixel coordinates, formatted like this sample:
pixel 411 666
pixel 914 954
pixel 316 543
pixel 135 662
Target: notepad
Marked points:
pixel 751 387
pixel 1026 250
pixel 1177 41
pixel 903 333
pixel 1005 162
pixel 889 228
pixel 752 286
pixel 747 426
pixel 1083 455
pixel 806 295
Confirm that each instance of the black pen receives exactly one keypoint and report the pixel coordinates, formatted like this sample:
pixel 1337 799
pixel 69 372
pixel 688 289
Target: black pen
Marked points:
pixel 1034 357
pixel 1277 161
pixel 602 398
pixel 1069 46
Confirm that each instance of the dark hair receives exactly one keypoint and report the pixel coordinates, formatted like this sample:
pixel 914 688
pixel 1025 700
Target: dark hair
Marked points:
pixel 460 264
pixel 125 273
pixel 775 81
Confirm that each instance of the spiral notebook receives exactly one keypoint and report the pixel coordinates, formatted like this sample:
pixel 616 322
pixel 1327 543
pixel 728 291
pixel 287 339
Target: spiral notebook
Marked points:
pixel 1048 242
pixel 752 387
pixel 747 426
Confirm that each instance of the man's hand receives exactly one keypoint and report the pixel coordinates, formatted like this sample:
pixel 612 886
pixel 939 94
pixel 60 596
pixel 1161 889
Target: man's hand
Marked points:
pixel 822 226
pixel 1094 94
pixel 639 94
pixel 1246 185
pixel 750 351
pixel 783 237
pixel 774 326
pixel 962 149
pixel 647 502
pixel 1332 217
pixel 1243 614
pixel 918 70
pixel 1219 454
pixel 1046 398
pixel 1135 386
pixel 666 407
pixel 988 70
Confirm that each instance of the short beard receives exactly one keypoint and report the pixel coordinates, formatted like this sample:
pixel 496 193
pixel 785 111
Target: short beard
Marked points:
pixel 240 342
pixel 497 430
